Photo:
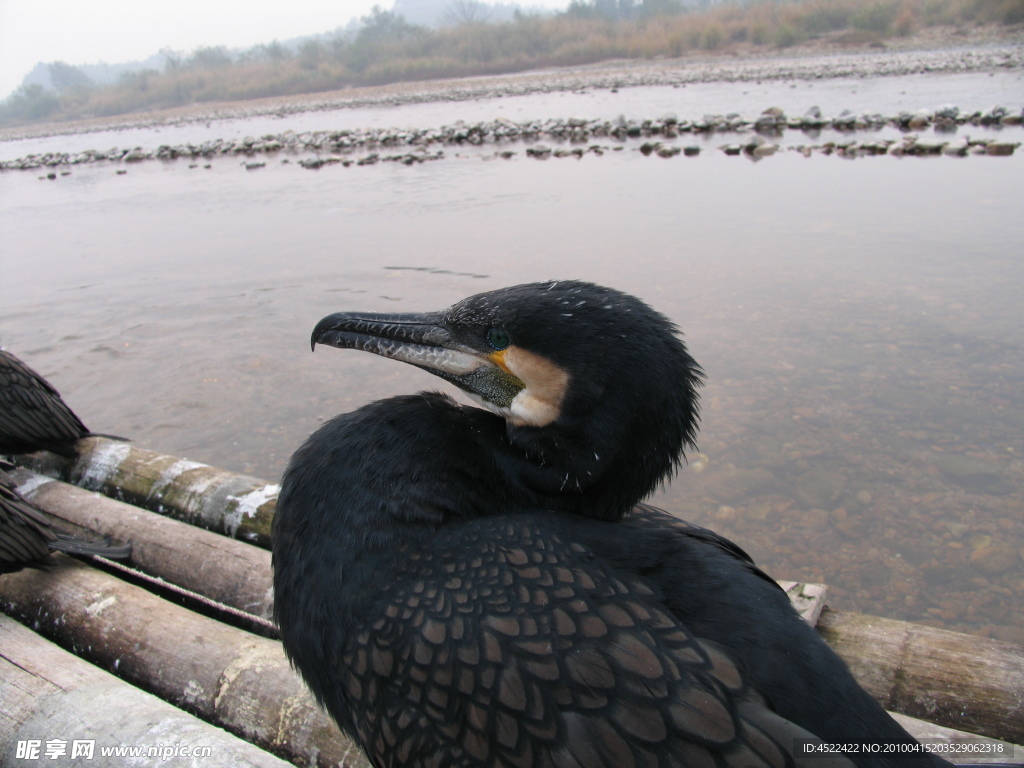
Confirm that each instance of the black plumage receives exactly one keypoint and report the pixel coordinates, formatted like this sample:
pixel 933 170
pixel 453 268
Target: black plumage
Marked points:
pixel 27 538
pixel 33 417
pixel 468 587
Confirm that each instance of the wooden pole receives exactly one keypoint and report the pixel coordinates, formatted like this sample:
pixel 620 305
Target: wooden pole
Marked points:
pixel 224 675
pixel 222 569
pixel 970 683
pixel 51 696
pixel 236 505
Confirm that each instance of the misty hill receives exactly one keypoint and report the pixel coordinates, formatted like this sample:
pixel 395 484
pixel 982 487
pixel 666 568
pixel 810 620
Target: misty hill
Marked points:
pixel 57 76
pixel 96 74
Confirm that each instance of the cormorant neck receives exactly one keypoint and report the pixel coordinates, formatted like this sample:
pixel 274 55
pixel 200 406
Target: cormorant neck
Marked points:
pixel 397 468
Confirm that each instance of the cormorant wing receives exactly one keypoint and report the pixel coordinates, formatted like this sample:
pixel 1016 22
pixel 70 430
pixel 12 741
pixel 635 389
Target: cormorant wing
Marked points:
pixel 27 538
pixel 646 514
pixel 34 415
pixel 505 643
pixel 24 533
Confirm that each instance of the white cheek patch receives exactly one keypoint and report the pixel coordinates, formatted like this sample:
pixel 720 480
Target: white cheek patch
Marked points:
pixel 540 403
pixel 527 410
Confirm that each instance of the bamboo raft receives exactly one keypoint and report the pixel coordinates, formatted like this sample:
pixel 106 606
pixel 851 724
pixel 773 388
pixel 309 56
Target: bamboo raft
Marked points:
pixel 180 650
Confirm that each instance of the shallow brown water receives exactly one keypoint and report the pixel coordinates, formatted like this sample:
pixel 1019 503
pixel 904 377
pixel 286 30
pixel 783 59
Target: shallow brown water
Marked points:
pixel 860 323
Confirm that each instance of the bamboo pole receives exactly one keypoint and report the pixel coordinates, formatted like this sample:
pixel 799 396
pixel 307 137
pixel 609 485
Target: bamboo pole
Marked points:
pixel 236 505
pixel 222 569
pixel 970 683
pixel 225 675
pixel 51 696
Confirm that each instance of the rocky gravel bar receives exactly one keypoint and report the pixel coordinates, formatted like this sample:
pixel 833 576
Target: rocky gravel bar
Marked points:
pixel 664 136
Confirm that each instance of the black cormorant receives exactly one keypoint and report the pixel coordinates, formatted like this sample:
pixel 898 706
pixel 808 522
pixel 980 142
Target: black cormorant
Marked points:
pixel 469 587
pixel 33 417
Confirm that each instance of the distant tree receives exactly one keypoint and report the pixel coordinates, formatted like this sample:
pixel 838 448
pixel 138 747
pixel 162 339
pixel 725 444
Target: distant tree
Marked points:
pixel 337 45
pixel 138 80
pixel 311 53
pixel 172 59
pixel 66 78
pixel 381 34
pixel 616 9
pixel 519 15
pixel 650 8
pixel 580 9
pixel 209 57
pixel 613 10
pixel 273 52
pixel 29 102
pixel 383 25
pixel 460 12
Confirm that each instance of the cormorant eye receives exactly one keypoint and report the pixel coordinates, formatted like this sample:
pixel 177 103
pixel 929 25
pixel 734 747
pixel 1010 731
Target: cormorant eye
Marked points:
pixel 498 338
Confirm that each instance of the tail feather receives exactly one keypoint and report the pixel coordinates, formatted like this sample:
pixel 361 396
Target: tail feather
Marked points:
pixel 103 548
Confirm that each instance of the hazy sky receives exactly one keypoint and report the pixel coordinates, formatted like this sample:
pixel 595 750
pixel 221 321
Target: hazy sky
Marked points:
pixel 116 31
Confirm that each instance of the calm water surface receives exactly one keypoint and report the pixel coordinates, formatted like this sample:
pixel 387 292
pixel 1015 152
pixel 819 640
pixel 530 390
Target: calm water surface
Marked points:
pixel 860 321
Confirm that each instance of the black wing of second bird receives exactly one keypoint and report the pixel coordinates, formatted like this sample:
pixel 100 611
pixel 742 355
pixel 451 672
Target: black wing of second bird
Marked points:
pixel 32 414
pixel 27 538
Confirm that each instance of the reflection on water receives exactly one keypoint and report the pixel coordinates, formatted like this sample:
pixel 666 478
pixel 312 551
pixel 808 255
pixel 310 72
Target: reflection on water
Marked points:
pixel 860 324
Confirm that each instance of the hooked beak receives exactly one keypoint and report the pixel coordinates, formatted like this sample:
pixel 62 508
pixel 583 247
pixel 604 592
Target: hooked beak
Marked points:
pixel 421 339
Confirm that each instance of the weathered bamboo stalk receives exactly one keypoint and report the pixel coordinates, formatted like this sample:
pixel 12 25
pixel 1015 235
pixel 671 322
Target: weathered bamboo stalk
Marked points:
pixel 49 694
pixel 971 683
pixel 236 505
pixel 222 569
pixel 225 675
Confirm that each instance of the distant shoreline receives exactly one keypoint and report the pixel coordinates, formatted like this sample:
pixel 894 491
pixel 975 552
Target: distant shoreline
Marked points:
pixel 935 51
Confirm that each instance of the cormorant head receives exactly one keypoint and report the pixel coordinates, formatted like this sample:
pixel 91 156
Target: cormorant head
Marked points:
pixel 597 389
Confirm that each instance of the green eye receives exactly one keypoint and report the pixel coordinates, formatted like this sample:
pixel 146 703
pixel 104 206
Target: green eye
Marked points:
pixel 498 339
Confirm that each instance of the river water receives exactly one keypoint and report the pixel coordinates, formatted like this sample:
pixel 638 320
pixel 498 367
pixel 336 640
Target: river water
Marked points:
pixel 860 321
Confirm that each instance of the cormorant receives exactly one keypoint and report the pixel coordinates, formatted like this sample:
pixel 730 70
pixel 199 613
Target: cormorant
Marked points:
pixel 469 587
pixel 33 417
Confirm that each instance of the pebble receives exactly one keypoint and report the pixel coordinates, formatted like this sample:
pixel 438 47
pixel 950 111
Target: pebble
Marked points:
pixel 973 473
pixel 731 484
pixel 957 530
pixel 819 488
pixel 995 559
pixel 1001 148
